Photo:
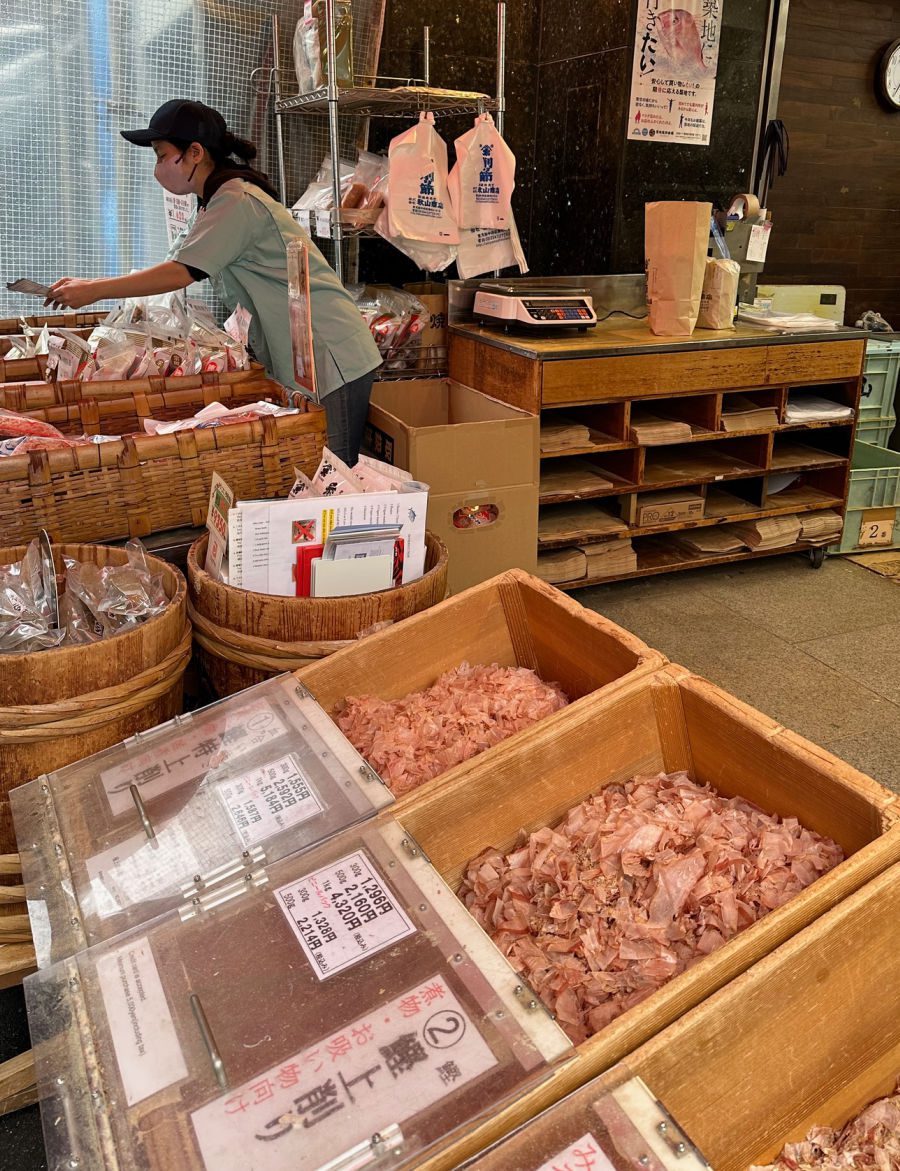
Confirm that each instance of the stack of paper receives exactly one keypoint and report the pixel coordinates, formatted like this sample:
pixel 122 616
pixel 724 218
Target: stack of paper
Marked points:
pixel 810 408
pixel 710 541
pixel 610 558
pixel 578 522
pixel 558 565
pixel 651 431
pixel 785 322
pixel 561 433
pixel 771 532
pixel 740 413
pixel 821 528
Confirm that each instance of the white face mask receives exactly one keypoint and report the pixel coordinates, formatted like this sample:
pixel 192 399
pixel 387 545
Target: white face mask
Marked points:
pixel 171 175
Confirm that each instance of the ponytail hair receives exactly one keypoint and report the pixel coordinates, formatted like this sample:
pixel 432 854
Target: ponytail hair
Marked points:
pixel 238 153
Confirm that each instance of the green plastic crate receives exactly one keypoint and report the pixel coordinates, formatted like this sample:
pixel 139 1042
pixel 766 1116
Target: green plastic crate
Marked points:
pixel 874 489
pixel 876 431
pixel 879 380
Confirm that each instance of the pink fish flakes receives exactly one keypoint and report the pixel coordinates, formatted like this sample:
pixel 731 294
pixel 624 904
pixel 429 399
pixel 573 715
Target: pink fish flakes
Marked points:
pixel 410 740
pixel 637 883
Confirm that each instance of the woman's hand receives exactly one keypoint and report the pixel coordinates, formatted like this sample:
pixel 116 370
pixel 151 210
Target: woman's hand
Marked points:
pixel 70 293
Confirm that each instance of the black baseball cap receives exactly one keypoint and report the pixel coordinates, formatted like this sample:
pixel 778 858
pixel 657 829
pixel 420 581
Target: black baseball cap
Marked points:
pixel 182 120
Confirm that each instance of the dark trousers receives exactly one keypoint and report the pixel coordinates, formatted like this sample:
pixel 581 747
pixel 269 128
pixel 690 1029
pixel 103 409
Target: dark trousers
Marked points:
pixel 346 411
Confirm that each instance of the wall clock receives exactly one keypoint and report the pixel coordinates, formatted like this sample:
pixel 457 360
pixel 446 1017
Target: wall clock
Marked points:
pixel 888 78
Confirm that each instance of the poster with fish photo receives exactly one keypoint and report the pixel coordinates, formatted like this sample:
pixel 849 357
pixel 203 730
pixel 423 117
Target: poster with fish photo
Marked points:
pixel 673 80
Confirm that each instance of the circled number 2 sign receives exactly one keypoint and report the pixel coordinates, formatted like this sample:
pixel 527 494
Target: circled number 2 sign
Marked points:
pixel 876 532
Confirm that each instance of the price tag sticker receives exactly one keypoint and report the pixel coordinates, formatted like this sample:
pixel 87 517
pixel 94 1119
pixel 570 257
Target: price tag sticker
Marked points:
pixel 269 799
pixel 323 224
pixel 876 530
pixel 343 913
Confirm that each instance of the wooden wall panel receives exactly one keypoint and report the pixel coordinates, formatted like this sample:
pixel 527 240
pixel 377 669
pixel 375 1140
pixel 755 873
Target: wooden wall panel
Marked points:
pixel 837 210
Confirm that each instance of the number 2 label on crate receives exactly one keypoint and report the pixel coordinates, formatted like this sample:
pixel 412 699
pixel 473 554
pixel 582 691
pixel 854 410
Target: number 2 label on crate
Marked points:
pixel 875 532
pixel 343 913
pixel 267 800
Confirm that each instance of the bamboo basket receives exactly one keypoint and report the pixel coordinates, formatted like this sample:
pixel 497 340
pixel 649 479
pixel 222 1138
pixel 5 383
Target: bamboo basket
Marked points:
pixel 17 958
pixel 66 320
pixel 126 413
pixel 22 369
pixel 807 1037
pixel 513 619
pixel 671 721
pixel 58 706
pixel 143 484
pixel 21 394
pixel 243 637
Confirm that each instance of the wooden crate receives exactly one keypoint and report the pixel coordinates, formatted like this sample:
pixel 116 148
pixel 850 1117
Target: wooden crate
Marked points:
pixel 126 413
pixel 670 721
pixel 142 484
pixel 513 619
pixel 807 1037
pixel 26 396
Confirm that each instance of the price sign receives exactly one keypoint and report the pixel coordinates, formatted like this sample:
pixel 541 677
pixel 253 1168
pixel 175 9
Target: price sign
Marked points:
pixel 876 529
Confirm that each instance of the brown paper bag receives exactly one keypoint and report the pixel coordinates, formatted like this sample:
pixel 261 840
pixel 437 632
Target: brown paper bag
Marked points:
pixel 720 292
pixel 676 242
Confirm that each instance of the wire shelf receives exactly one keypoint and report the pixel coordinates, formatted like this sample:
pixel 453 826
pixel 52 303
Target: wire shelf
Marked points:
pixel 404 102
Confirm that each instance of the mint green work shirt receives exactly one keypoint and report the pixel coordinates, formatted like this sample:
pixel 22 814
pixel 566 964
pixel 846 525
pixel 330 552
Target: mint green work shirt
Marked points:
pixel 239 239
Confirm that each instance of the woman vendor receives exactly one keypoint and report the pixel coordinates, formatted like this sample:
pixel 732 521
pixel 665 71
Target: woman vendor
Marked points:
pixel 238 240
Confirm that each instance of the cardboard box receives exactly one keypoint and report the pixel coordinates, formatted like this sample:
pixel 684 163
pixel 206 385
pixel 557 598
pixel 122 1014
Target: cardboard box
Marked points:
pixel 480 458
pixel 433 295
pixel 661 508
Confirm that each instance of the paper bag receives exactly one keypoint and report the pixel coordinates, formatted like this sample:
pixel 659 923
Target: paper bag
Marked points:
pixel 720 291
pixel 676 242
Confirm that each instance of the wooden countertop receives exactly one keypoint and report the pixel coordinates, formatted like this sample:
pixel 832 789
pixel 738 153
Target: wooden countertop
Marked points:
pixel 624 336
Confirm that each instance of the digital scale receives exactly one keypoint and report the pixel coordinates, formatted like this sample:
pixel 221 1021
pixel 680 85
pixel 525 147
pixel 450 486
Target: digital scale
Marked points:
pixel 534 307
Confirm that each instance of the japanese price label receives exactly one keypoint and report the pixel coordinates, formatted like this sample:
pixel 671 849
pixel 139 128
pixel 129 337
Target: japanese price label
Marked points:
pixel 582 1155
pixel 137 869
pixel 343 913
pixel 189 754
pixel 144 1037
pixel 383 1068
pixel 269 799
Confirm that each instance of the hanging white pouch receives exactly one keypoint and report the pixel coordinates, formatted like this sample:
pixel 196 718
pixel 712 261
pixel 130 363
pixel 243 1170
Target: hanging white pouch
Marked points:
pixel 488 249
pixel 483 178
pixel 430 257
pixel 418 201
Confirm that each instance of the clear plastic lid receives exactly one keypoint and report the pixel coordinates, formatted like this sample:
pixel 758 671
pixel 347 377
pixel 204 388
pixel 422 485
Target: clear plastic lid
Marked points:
pixel 614 1123
pixel 339 1008
pixel 110 842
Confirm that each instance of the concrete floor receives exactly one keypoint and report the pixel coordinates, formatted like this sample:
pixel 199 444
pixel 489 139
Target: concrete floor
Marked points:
pixel 817 649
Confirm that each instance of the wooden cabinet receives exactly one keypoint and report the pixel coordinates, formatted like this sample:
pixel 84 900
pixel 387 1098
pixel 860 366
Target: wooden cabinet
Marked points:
pixel 708 419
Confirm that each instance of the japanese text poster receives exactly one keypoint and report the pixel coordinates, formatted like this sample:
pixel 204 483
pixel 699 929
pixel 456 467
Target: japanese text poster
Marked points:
pixel 673 81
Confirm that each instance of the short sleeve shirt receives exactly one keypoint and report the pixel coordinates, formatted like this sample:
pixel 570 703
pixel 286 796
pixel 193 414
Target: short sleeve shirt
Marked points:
pixel 239 239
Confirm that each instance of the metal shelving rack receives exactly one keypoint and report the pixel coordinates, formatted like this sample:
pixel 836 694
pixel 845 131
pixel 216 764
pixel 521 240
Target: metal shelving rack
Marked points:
pixel 380 101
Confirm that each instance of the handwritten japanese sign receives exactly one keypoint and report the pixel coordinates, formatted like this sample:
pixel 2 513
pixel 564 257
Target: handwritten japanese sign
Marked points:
pixel 583 1155
pixel 191 753
pixel 673 79
pixel 269 799
pixel 383 1068
pixel 179 212
pixel 343 913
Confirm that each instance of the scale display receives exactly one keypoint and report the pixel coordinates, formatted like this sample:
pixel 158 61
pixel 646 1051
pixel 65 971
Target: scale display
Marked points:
pixel 534 306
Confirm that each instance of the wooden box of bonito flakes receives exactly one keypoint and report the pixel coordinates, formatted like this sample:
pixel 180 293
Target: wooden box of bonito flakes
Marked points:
pixel 805 1041
pixel 513 620
pixel 669 722
pixel 339 1009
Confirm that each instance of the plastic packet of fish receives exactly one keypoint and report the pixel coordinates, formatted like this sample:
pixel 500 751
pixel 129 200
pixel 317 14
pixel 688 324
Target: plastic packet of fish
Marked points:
pixel 334 478
pixel 303 487
pixel 25 620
